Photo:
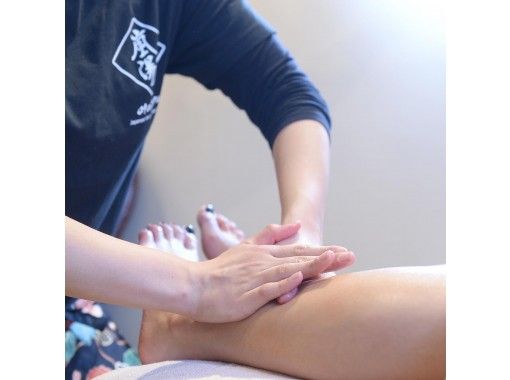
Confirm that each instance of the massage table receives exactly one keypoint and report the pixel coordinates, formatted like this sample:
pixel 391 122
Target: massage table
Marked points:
pixel 190 369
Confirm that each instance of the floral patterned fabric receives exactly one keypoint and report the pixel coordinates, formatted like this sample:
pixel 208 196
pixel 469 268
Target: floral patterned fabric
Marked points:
pixel 93 344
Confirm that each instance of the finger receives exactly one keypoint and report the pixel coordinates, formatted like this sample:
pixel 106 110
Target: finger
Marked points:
pixel 318 266
pixel 287 296
pixel 271 290
pixel 339 257
pixel 302 250
pixel 273 233
pixel 337 248
pixel 342 260
pixel 309 268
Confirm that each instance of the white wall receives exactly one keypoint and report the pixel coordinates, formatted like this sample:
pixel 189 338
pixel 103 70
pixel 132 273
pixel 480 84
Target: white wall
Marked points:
pixel 380 65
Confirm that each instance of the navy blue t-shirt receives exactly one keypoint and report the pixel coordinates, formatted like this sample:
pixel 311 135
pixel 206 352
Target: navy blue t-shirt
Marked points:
pixel 117 53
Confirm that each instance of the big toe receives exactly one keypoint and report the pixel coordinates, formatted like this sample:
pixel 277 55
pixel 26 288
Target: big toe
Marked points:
pixel 207 220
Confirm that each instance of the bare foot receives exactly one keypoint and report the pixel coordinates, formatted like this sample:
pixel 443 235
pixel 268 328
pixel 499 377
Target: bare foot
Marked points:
pixel 159 334
pixel 170 238
pixel 218 233
pixel 162 334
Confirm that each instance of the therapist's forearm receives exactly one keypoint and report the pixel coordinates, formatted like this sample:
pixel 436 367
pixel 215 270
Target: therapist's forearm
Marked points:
pixel 301 156
pixel 102 268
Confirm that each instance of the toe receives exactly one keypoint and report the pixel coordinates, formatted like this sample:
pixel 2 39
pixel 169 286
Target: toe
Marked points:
pixel 145 237
pixel 178 232
pixel 231 226
pixel 190 241
pixel 238 233
pixel 222 222
pixel 207 220
pixel 157 231
pixel 168 231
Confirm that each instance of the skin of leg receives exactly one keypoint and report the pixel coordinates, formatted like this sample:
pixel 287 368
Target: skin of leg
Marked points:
pixel 379 324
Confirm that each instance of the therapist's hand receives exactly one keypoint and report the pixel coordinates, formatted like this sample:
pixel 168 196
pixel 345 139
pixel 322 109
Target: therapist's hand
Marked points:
pixel 312 237
pixel 238 282
pixel 294 234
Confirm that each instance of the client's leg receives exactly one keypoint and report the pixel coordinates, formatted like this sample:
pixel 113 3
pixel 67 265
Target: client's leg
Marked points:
pixel 381 324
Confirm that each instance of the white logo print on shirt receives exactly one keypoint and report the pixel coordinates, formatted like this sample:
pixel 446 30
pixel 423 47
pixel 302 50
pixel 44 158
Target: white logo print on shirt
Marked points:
pixel 138 54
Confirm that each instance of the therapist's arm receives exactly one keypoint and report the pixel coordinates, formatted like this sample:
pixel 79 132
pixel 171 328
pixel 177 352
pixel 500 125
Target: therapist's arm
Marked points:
pixel 227 288
pixel 226 45
pixel 301 157
pixel 102 268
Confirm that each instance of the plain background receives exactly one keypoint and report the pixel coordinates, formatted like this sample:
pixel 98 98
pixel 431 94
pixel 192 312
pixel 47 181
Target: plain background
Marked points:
pixel 380 65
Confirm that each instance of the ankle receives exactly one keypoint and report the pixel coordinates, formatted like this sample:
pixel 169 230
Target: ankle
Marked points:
pixel 191 339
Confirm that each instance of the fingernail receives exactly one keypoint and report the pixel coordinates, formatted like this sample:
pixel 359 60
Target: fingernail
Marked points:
pixel 343 255
pixel 210 208
pixel 190 228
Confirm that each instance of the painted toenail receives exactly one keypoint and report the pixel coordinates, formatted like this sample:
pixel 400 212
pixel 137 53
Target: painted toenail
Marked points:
pixel 190 228
pixel 210 208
